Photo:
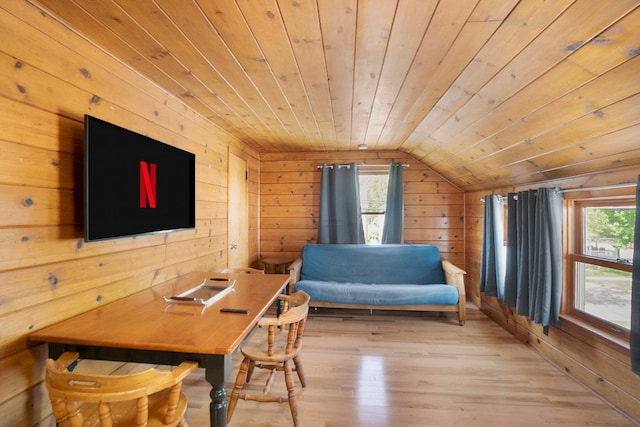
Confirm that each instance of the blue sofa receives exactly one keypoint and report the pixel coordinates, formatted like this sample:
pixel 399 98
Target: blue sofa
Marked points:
pixel 391 277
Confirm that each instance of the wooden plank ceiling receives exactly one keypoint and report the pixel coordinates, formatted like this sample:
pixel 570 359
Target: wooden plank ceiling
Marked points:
pixel 486 92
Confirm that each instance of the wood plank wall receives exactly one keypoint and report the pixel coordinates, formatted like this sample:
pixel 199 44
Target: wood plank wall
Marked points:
pixel 50 77
pixel 290 199
pixel 601 366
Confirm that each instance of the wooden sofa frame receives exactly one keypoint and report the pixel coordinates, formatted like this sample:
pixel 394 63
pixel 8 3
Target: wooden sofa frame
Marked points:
pixel 453 276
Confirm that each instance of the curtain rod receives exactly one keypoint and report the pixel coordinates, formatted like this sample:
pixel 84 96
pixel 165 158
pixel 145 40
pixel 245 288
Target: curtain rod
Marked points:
pixel 346 165
pixel 601 187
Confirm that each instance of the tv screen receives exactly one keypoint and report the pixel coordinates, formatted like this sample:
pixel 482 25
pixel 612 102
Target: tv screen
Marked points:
pixel 135 184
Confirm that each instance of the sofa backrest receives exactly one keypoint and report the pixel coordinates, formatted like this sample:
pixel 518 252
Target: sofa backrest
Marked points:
pixel 384 264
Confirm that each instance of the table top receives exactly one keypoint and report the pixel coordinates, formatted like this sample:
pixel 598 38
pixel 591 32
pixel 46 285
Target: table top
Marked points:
pixel 144 321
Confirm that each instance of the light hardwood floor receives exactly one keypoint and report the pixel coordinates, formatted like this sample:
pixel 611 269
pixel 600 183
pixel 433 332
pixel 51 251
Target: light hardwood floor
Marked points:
pixel 416 369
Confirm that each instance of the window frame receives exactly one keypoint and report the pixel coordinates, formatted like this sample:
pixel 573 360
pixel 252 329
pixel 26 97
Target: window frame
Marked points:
pixel 574 237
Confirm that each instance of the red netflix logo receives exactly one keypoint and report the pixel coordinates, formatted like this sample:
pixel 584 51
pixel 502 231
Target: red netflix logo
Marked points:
pixel 147 185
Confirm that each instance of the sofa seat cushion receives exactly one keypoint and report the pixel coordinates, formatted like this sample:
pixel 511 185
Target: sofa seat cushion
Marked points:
pixel 378 294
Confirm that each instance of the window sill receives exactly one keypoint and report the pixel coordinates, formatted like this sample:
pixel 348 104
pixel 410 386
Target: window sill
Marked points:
pixel 588 333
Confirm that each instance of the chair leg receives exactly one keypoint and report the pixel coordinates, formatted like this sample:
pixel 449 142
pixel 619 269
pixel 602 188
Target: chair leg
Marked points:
pixel 300 370
pixel 288 378
pixel 250 369
pixel 240 380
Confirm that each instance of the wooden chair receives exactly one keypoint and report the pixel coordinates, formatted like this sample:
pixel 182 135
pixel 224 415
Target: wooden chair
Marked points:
pixel 275 351
pixel 149 398
pixel 242 270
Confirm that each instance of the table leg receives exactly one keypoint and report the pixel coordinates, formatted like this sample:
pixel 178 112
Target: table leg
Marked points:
pixel 217 370
pixel 218 406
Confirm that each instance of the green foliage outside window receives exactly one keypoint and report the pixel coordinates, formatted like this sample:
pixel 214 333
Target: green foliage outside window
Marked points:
pixel 614 226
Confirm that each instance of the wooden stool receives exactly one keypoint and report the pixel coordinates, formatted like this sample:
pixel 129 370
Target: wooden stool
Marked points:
pixel 273 265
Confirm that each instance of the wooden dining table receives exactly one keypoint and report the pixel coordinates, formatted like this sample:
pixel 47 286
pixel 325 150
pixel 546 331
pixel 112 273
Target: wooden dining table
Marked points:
pixel 145 328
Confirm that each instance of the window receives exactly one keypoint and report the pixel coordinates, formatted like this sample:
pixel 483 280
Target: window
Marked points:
pixel 601 256
pixel 373 200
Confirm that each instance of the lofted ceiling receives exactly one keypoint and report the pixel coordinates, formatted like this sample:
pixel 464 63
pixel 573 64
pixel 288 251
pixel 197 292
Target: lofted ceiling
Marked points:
pixel 485 92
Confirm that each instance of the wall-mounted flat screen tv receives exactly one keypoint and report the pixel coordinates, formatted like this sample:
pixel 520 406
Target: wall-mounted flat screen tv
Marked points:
pixel 134 184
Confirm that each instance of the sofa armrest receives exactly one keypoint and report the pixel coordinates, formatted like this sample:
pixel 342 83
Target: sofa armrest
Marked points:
pixel 454 276
pixel 294 272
